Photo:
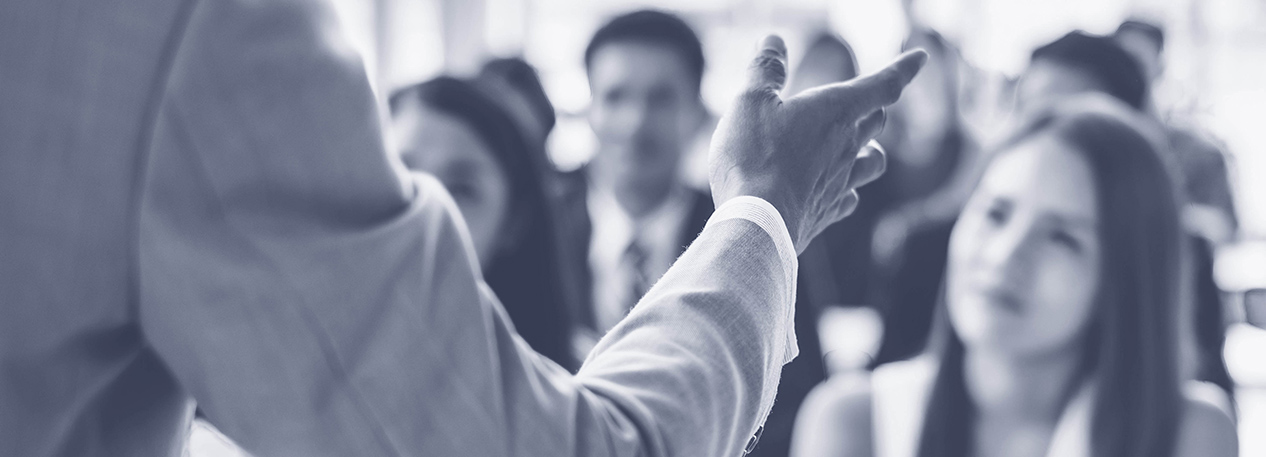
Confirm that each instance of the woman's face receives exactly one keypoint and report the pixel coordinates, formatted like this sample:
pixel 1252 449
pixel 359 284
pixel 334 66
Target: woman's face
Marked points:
pixel 1024 267
pixel 440 144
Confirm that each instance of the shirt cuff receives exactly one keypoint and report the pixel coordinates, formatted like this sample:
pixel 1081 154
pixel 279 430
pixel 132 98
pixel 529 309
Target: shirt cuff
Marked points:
pixel 764 215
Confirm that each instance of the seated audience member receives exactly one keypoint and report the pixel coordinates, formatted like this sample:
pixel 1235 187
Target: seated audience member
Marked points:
pixel 1211 206
pixel 1058 333
pixel 1209 214
pixel 628 207
pixel 929 177
pixel 458 131
pixel 631 210
pixel 908 211
pixel 525 95
pixel 1079 63
pixel 530 104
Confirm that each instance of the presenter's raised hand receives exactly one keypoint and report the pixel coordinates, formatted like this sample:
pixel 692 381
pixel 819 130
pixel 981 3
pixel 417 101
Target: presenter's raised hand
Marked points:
pixel 807 154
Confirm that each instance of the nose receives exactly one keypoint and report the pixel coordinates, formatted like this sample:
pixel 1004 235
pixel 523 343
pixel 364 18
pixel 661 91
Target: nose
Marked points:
pixel 1008 252
pixel 631 119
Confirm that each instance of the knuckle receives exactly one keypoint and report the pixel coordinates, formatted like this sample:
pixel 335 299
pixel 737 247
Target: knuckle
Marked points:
pixel 771 66
pixel 757 96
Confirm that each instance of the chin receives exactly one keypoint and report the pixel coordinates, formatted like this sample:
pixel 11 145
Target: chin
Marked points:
pixel 989 335
pixel 993 333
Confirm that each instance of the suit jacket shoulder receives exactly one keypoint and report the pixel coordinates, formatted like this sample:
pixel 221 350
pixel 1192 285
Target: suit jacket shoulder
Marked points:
pixel 701 208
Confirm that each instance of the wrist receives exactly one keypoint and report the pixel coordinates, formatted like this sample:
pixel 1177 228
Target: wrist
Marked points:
pixel 790 217
pixel 789 214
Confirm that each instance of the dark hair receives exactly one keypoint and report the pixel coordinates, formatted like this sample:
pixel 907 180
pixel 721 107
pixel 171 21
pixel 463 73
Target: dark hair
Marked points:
pixel 1152 31
pixel 525 272
pixel 1132 347
pixel 831 43
pixel 522 78
pixel 1115 70
pixel 652 27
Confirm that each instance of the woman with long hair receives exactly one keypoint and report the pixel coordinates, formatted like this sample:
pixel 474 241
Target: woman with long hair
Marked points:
pixel 1058 334
pixel 466 134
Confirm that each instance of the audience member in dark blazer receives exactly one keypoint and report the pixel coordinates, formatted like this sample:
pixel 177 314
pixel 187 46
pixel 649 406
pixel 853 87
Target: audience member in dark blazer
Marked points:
pixel 684 219
pixel 629 212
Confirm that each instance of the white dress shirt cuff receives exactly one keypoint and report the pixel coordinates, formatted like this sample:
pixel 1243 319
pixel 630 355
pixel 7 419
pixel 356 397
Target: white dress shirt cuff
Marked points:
pixel 764 215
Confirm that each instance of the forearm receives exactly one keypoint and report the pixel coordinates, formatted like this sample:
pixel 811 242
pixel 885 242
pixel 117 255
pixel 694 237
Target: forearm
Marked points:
pixel 696 363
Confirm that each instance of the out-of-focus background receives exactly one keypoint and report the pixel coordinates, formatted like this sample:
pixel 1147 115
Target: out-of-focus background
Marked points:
pixel 1214 52
pixel 1214 69
pixel 1215 59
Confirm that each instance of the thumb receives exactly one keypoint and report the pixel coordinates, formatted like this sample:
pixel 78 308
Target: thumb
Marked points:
pixel 768 71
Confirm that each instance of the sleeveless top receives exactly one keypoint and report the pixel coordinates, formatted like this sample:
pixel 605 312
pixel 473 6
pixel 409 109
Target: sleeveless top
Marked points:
pixel 900 392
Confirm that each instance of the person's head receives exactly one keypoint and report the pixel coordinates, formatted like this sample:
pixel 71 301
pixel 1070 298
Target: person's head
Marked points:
pixel 645 70
pixel 1071 245
pixel 828 59
pixel 1145 41
pixel 1079 63
pixel 526 90
pixel 455 131
pixel 928 109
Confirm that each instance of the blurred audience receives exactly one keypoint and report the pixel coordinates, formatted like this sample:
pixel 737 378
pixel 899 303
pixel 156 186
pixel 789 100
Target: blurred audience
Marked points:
pixel 488 152
pixel 627 211
pixel 631 211
pixel 828 59
pixel 1145 42
pixel 1057 334
pixel 1080 63
pixel 928 179
pixel 889 254
pixel 524 94
pixel 1210 211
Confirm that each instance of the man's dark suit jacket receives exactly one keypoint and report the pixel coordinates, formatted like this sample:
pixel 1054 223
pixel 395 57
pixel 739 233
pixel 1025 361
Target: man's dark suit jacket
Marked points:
pixel 798 377
pixel 577 229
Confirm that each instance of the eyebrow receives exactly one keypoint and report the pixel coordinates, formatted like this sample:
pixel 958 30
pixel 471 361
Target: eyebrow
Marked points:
pixel 1086 222
pixel 1076 221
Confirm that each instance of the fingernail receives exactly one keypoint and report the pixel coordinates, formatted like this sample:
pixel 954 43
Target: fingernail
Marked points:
pixel 922 56
pixel 773 42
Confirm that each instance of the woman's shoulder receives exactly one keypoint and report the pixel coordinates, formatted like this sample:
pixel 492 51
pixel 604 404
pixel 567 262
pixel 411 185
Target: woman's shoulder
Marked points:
pixel 835 419
pixel 865 414
pixel 1207 429
pixel 844 400
pixel 854 393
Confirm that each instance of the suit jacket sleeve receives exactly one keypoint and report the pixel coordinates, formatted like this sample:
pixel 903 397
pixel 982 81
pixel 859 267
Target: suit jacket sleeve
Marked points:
pixel 315 299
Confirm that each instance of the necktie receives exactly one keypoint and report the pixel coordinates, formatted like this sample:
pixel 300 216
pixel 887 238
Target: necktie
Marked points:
pixel 635 257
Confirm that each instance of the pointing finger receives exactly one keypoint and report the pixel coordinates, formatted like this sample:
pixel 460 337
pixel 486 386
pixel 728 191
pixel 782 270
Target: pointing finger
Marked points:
pixel 871 92
pixel 884 87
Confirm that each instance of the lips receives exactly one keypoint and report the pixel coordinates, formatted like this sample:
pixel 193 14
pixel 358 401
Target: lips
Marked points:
pixel 1004 299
